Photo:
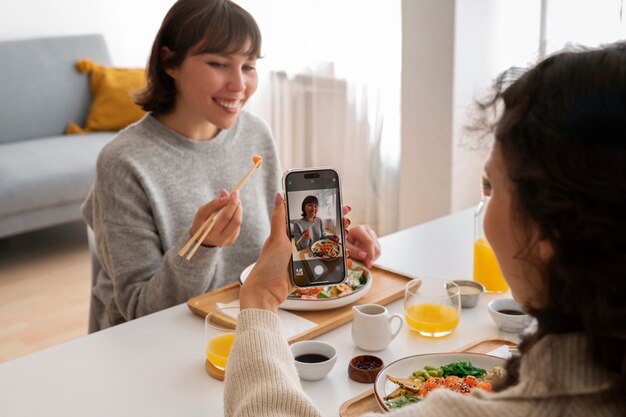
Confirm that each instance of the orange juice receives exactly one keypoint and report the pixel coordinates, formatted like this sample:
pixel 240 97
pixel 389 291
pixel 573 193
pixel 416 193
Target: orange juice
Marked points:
pixel 432 319
pixel 218 349
pixel 486 269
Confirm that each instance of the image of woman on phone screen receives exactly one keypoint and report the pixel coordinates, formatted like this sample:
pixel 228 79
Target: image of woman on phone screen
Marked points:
pixel 309 229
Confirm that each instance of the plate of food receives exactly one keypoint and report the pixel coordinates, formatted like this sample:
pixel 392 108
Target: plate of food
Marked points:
pixel 327 297
pixel 326 249
pixel 409 380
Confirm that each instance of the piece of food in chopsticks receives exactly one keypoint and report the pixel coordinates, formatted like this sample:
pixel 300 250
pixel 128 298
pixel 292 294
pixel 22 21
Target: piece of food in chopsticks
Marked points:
pixel 460 377
pixel 208 224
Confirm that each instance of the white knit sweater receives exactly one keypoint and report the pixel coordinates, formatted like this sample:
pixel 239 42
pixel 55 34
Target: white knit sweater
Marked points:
pixel 557 378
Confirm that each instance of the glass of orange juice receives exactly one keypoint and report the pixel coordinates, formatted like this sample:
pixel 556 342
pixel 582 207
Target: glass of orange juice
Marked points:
pixel 432 306
pixel 219 335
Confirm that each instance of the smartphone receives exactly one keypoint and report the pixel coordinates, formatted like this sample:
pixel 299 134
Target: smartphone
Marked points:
pixel 314 212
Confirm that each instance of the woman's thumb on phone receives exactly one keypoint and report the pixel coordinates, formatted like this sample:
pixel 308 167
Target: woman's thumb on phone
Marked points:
pixel 278 199
pixel 278 217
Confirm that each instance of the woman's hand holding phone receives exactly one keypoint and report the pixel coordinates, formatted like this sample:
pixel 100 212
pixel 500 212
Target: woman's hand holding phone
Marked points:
pixel 269 284
pixel 228 224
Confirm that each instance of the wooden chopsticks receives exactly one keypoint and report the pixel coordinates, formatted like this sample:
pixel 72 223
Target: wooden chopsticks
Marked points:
pixel 208 224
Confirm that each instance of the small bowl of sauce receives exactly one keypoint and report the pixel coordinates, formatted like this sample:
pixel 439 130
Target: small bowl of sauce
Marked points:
pixel 508 315
pixel 471 292
pixel 313 359
pixel 365 368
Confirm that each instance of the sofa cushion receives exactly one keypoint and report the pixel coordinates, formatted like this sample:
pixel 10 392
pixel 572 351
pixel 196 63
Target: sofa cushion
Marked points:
pixel 40 88
pixel 49 171
pixel 113 107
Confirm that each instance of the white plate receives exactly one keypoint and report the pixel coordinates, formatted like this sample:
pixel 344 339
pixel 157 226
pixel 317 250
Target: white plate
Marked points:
pixel 404 367
pixel 321 303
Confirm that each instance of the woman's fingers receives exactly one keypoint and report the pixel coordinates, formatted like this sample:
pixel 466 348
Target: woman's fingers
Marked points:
pixel 363 244
pixel 279 220
pixel 374 237
pixel 205 211
pixel 230 232
pixel 227 223
pixel 228 211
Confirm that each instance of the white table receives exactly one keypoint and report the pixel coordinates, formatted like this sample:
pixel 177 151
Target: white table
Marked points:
pixel 154 366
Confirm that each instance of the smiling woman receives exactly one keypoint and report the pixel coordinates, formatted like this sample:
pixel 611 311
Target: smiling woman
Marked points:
pixel 160 179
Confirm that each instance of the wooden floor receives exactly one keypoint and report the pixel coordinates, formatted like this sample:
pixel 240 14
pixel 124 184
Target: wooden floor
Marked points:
pixel 45 281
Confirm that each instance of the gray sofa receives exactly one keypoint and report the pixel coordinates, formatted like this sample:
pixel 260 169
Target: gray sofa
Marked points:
pixel 44 174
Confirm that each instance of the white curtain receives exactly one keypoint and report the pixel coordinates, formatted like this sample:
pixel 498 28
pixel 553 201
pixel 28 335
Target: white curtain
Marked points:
pixel 327 83
pixel 321 120
pixel 582 22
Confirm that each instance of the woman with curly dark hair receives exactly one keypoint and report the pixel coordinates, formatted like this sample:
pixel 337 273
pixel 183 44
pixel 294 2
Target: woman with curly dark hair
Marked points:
pixel 556 185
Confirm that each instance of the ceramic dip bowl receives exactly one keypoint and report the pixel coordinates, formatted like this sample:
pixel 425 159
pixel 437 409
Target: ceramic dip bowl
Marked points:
pixel 508 315
pixel 471 292
pixel 314 359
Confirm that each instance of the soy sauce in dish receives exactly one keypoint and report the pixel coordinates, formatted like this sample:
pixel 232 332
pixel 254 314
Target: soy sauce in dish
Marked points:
pixel 367 365
pixel 311 358
pixel 511 312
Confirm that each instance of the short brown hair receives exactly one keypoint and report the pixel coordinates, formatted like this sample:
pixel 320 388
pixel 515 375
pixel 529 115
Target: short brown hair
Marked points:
pixel 195 27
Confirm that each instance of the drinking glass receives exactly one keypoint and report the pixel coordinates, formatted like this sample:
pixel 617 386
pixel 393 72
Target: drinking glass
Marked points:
pixel 432 306
pixel 486 269
pixel 219 335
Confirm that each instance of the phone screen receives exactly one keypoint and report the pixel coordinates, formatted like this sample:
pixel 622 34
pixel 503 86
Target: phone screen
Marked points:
pixel 316 227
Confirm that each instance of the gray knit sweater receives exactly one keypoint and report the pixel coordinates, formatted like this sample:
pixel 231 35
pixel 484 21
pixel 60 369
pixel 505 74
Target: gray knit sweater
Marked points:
pixel 557 378
pixel 150 181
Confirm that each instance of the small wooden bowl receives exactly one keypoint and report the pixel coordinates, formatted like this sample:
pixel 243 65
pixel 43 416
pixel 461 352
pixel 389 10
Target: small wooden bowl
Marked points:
pixel 365 368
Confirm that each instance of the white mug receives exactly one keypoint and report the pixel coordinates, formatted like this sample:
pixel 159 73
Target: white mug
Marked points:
pixel 371 327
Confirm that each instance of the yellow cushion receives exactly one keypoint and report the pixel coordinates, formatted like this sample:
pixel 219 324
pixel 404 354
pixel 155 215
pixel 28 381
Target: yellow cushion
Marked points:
pixel 112 107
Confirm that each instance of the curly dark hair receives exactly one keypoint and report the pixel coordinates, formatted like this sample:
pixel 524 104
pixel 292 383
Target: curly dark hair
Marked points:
pixel 195 27
pixel 308 199
pixel 562 134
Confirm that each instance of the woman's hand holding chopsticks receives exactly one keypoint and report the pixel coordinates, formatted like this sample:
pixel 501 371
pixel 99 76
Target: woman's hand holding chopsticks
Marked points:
pixel 228 222
pixel 229 225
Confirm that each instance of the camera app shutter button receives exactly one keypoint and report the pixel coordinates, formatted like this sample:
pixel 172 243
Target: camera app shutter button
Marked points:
pixel 319 270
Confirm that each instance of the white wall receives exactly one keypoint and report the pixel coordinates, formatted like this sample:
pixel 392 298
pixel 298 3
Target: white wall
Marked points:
pixel 426 109
pixel 452 51
pixel 488 40
pixel 129 26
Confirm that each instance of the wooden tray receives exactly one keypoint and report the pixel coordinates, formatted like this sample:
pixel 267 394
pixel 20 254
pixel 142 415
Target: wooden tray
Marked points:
pixel 366 402
pixel 386 287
